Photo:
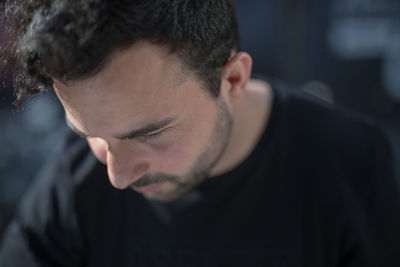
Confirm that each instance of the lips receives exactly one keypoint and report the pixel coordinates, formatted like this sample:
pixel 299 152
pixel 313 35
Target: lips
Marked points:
pixel 153 188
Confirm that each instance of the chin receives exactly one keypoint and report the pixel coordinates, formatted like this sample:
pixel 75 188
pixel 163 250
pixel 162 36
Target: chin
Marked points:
pixel 169 194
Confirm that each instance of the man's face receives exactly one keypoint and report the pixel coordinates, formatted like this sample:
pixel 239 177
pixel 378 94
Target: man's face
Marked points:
pixel 149 121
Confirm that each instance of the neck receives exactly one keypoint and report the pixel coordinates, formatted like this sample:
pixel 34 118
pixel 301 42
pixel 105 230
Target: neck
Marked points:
pixel 251 115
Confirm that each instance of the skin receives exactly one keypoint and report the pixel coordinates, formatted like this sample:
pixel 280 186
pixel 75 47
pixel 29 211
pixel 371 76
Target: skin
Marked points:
pixel 199 137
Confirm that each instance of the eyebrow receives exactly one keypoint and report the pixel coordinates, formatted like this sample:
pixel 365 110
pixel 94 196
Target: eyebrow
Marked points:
pixel 142 131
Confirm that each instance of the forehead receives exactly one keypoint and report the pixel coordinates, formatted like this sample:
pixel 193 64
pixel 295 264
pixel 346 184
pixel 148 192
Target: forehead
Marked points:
pixel 134 64
pixel 137 85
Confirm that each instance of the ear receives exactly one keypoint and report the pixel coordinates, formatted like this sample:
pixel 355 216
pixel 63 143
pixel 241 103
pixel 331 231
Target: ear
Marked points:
pixel 235 76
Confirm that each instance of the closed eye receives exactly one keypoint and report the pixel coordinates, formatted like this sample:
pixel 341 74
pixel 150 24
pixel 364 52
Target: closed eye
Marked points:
pixel 150 136
pixel 146 130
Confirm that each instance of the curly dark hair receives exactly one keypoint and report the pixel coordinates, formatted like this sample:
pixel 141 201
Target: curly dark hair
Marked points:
pixel 72 40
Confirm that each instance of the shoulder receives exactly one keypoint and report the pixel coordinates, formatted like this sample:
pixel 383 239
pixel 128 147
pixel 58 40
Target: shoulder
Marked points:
pixel 329 145
pixel 45 228
pixel 65 169
pixel 307 121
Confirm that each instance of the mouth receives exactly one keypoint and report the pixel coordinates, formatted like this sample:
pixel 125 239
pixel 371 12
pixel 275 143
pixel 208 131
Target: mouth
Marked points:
pixel 148 189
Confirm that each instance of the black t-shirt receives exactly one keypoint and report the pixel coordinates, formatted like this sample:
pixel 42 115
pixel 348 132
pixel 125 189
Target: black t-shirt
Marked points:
pixel 318 190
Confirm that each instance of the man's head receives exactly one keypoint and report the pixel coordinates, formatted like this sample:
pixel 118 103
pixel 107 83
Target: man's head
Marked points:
pixel 72 40
pixel 150 84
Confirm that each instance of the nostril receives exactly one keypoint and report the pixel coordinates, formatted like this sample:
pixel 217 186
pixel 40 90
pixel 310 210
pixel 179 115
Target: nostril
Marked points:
pixel 123 179
pixel 117 180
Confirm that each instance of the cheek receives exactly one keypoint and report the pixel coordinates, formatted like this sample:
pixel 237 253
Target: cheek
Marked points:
pixel 182 151
pixel 99 148
pixel 177 157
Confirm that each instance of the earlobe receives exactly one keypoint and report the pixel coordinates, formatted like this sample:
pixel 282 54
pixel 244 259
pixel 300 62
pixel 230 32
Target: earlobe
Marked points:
pixel 236 74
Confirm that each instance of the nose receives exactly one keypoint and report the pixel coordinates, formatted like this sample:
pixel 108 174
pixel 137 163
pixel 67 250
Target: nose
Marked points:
pixel 125 167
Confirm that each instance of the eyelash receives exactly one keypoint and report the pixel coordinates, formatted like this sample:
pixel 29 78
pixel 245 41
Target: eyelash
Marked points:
pixel 146 138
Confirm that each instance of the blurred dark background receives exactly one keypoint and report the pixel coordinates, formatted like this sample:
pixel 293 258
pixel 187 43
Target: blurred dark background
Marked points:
pixel 344 51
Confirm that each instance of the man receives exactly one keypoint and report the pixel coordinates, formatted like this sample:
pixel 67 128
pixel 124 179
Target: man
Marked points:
pixel 191 163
